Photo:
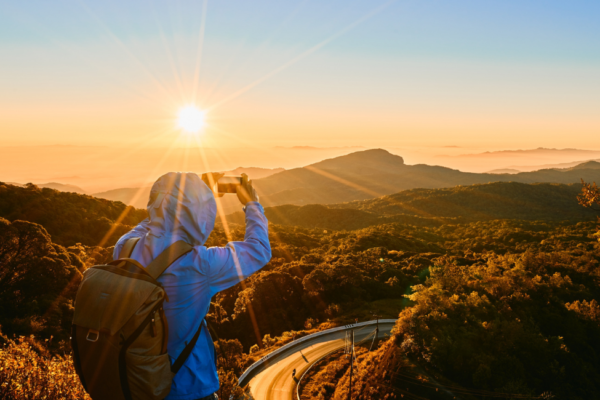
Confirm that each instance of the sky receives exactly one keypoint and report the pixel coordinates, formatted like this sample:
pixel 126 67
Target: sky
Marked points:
pixel 412 75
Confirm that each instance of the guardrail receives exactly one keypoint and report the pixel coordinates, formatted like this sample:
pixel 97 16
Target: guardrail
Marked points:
pixel 256 367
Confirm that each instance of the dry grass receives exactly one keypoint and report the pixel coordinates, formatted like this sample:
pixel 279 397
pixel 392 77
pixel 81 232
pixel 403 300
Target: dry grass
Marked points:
pixel 25 374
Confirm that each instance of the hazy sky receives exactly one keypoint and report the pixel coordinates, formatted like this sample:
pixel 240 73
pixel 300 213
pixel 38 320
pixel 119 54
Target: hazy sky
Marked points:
pixel 485 74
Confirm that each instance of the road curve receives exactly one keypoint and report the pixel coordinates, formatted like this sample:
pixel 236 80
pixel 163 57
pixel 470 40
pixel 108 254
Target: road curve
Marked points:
pixel 275 381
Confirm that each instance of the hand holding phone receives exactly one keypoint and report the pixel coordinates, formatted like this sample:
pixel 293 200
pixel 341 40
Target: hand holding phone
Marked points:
pixel 245 191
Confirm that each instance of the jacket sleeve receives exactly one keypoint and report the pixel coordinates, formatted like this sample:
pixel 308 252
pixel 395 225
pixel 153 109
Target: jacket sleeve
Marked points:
pixel 229 265
pixel 139 231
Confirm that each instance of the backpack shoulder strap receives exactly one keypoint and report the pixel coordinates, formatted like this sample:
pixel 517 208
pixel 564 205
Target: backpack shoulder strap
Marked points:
pixel 185 353
pixel 127 248
pixel 155 269
pixel 167 257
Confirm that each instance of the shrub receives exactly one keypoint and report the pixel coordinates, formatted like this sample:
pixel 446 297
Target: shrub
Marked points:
pixel 26 374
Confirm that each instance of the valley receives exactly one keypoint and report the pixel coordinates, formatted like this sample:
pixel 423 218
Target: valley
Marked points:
pixel 507 257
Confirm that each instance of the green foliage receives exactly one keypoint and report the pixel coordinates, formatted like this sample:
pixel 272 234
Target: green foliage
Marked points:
pixel 509 323
pixel 69 218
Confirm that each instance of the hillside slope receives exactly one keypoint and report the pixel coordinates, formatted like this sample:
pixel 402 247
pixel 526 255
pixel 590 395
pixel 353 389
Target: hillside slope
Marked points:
pixel 63 187
pixel 483 201
pixel 68 217
pixel 432 207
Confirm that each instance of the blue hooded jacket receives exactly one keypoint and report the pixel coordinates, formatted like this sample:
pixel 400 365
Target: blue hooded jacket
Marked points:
pixel 182 207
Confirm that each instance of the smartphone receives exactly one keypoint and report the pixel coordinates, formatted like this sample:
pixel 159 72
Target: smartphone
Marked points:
pixel 229 184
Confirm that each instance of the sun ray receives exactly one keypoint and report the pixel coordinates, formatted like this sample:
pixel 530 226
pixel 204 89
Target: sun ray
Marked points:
pixel 124 48
pixel 208 93
pixel 196 80
pixel 301 55
pixel 136 196
pixel 212 86
pixel 223 216
pixel 176 75
pixel 91 64
pixel 245 142
pixel 138 147
pixel 229 239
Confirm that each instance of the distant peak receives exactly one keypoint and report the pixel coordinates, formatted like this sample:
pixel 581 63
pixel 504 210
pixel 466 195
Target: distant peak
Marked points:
pixel 372 158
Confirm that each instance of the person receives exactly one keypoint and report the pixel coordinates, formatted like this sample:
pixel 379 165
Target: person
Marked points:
pixel 294 372
pixel 183 207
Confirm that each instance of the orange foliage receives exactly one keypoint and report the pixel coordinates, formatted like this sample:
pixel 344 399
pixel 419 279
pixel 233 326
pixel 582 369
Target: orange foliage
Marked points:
pixel 27 375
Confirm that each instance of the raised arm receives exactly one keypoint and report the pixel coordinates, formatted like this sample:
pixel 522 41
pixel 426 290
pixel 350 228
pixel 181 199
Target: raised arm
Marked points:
pixel 229 265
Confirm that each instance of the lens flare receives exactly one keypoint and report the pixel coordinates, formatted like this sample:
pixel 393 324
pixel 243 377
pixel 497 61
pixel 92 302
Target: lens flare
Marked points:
pixel 191 119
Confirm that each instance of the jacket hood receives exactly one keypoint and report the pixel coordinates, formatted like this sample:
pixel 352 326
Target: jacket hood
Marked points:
pixel 181 207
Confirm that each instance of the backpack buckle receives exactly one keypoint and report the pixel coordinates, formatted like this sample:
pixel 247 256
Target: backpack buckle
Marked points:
pixel 90 336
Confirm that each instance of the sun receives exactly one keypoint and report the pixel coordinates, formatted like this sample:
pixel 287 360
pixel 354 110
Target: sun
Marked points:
pixel 191 119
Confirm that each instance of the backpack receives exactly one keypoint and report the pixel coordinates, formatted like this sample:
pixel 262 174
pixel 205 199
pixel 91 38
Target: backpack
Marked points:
pixel 120 333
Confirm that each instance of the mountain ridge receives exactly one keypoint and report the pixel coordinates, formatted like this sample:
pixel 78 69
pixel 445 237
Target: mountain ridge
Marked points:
pixel 364 175
pixel 376 172
pixel 63 187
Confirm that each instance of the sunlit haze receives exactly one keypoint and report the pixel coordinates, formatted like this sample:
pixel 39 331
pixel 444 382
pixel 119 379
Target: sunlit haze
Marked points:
pixel 286 84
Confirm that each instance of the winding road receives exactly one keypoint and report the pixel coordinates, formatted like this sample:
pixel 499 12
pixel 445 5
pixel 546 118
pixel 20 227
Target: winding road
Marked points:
pixel 273 379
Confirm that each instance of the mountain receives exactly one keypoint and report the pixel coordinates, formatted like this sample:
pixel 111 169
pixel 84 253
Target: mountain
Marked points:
pixel 373 173
pixel 434 207
pixel 360 176
pixel 504 171
pixel 55 185
pixel 69 218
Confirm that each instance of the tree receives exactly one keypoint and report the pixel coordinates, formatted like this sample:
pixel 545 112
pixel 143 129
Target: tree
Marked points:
pixel 590 196
pixel 37 279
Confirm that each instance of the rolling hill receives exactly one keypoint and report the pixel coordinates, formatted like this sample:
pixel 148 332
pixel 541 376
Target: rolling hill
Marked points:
pixel 63 187
pixel 433 207
pixel 69 218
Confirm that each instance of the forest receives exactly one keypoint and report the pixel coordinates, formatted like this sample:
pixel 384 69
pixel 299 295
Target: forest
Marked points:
pixel 495 288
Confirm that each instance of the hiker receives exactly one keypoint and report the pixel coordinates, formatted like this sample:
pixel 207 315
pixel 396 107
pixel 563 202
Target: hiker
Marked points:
pixel 294 372
pixel 182 207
